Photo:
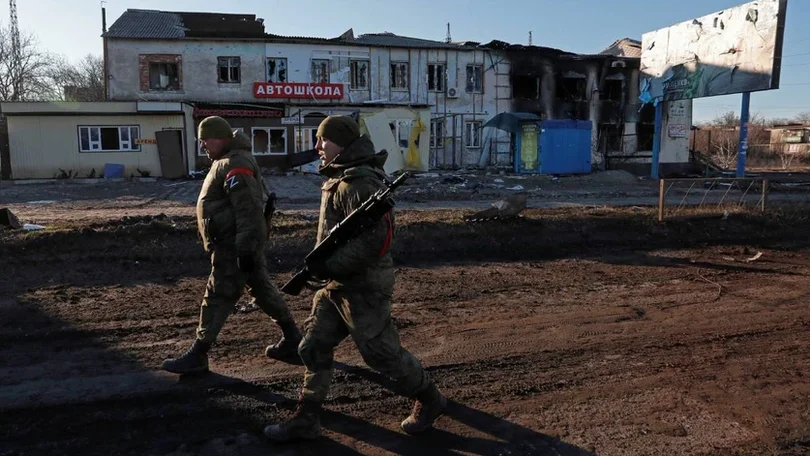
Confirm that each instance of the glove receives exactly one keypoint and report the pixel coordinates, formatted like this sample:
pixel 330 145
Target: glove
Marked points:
pixel 245 263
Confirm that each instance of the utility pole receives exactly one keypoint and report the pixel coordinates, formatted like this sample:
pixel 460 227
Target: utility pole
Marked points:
pixel 15 52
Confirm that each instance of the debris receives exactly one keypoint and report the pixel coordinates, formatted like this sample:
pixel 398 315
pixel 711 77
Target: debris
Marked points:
pixel 516 188
pixel 754 258
pixel 41 202
pixel 249 307
pixel 509 208
pixel 8 219
pixel 498 181
pixel 32 227
pixel 453 180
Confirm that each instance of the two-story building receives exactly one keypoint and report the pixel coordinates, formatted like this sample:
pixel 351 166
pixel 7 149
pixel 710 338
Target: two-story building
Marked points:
pixel 279 88
pixel 427 102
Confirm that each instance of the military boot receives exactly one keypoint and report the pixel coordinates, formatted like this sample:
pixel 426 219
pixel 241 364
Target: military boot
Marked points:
pixel 287 347
pixel 193 361
pixel 430 403
pixel 305 423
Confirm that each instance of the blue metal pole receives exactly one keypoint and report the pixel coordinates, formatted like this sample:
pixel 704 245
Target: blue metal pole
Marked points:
pixel 656 152
pixel 742 146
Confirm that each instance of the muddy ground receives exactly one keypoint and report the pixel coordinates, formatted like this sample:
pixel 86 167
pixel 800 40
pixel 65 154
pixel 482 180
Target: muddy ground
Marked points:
pixel 590 330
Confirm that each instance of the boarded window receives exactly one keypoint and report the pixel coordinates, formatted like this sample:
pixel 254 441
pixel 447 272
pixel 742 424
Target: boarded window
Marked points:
pixel 109 138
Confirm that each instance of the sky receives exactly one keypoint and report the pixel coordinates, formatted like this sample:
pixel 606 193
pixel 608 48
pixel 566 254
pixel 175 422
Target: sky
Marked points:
pixel 73 28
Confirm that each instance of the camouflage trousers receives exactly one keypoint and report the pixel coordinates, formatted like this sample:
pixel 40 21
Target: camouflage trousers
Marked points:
pixel 226 285
pixel 366 317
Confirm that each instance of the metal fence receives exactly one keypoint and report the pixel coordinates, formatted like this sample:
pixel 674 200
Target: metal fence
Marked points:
pixel 720 195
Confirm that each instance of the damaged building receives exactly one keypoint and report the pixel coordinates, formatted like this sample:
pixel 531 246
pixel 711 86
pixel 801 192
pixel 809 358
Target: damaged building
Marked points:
pixel 427 102
pixel 603 89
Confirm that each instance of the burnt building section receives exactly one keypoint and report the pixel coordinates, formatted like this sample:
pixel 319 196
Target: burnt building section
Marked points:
pixel 601 88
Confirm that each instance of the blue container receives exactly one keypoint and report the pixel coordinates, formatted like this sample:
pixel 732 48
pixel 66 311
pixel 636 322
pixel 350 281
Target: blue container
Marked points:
pixel 563 147
pixel 112 170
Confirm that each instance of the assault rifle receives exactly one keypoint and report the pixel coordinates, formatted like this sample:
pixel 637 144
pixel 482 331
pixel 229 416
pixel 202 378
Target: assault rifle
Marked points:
pixel 365 216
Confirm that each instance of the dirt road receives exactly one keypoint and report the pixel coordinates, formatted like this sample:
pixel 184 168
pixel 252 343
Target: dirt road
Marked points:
pixel 567 332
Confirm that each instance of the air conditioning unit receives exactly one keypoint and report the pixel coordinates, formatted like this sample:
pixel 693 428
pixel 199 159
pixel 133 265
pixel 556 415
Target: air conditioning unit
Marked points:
pixel 452 92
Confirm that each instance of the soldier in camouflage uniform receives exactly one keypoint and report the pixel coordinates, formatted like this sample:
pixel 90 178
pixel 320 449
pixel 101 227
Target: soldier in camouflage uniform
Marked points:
pixel 356 301
pixel 232 228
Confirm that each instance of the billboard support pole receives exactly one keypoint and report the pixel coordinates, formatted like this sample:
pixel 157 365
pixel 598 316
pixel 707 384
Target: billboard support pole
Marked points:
pixel 742 146
pixel 656 147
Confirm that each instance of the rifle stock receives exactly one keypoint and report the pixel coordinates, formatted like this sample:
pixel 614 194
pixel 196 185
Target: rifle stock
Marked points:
pixel 369 213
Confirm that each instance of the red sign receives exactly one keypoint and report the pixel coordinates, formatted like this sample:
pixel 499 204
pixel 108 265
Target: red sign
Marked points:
pixel 203 112
pixel 298 90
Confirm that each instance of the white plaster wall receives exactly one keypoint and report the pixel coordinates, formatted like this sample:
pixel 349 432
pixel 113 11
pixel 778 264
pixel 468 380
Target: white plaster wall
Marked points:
pixel 199 69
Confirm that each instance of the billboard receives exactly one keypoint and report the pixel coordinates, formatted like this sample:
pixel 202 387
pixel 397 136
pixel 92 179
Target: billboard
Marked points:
pixel 731 51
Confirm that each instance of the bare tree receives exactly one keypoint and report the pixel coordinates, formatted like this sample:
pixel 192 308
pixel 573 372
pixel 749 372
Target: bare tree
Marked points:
pixel 802 117
pixel 26 80
pixel 725 142
pixel 83 81
pixel 731 119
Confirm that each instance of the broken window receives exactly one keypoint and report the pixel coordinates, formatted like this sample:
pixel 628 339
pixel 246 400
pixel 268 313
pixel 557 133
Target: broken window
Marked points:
pixel 526 87
pixel 359 74
pixel 276 70
pixel 436 77
pixel 645 133
pixel 320 70
pixel 647 114
pixel 571 88
pixel 269 141
pixel 163 76
pixel 610 136
pixel 613 90
pixel 399 75
pixel 109 139
pixel 305 138
pixel 472 134
pixel 437 133
pixel 475 79
pixel 228 69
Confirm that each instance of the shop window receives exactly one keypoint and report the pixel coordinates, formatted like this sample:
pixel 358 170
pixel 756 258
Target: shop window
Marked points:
pixel 269 141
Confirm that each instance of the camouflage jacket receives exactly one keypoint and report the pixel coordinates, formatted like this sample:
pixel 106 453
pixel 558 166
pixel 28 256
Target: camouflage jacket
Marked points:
pixel 230 206
pixel 364 263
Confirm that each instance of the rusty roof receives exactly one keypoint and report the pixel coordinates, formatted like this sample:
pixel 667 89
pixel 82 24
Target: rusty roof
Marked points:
pixel 625 47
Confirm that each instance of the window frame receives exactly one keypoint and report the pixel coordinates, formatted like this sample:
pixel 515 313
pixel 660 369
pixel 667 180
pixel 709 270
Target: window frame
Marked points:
pixel 228 63
pixel 133 146
pixel 471 86
pixel 269 152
